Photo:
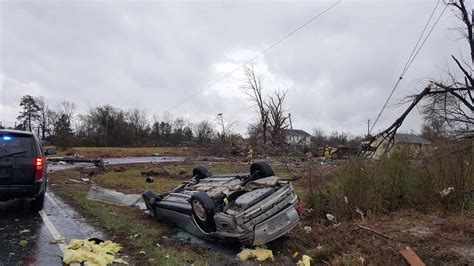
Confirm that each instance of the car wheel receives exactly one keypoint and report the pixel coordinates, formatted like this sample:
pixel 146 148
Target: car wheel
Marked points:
pixel 261 169
pixel 200 172
pixel 150 198
pixel 203 209
pixel 38 203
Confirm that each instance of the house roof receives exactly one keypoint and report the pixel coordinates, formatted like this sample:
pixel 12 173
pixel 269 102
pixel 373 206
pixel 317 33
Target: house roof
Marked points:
pixel 410 139
pixel 297 133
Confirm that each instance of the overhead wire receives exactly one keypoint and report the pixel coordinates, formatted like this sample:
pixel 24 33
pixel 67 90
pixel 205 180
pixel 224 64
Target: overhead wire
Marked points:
pixel 414 53
pixel 256 56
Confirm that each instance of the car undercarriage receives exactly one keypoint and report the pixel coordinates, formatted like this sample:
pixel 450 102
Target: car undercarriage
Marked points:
pixel 253 208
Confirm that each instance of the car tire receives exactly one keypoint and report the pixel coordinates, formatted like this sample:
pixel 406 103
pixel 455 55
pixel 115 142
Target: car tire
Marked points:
pixel 203 209
pixel 38 203
pixel 200 172
pixel 261 169
pixel 150 198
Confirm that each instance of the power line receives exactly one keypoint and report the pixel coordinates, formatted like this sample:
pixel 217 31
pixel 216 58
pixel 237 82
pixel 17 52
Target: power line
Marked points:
pixel 410 60
pixel 255 57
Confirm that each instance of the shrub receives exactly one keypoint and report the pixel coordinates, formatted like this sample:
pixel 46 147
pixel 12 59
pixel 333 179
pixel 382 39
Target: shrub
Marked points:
pixel 396 182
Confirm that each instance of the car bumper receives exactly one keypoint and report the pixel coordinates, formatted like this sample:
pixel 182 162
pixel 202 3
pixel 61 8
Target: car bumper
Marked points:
pixel 276 226
pixel 8 192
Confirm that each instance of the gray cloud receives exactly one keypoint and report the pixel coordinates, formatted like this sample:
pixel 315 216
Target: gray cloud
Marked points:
pixel 152 55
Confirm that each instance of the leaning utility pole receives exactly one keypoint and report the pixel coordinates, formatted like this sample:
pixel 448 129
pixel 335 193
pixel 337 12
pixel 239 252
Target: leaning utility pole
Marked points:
pixel 368 127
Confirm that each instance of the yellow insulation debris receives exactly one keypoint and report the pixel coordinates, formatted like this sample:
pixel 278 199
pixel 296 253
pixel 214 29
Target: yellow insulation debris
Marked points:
pixel 90 253
pixel 305 261
pixel 259 254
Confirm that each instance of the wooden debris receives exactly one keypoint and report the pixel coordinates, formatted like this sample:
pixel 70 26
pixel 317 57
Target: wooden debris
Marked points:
pixel 373 231
pixel 411 257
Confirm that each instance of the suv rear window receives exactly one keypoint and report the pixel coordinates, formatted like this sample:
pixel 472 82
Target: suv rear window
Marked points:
pixel 16 145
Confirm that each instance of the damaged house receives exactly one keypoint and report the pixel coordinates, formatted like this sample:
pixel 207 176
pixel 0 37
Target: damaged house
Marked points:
pixel 297 137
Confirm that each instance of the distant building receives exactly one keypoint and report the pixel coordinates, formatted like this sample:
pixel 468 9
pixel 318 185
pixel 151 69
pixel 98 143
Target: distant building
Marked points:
pixel 412 142
pixel 410 139
pixel 297 137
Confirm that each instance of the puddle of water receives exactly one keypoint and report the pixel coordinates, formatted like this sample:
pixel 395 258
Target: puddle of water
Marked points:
pixel 111 196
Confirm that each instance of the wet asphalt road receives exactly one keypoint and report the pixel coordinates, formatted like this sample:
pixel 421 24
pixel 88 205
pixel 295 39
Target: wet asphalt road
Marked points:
pixel 24 237
pixel 20 225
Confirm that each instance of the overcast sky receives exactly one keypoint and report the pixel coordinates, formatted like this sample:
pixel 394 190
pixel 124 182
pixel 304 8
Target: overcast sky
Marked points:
pixel 152 55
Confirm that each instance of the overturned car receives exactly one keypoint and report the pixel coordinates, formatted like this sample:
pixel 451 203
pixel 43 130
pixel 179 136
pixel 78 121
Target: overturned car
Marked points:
pixel 253 208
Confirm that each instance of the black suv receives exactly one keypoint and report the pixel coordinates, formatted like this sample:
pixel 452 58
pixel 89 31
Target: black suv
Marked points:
pixel 22 167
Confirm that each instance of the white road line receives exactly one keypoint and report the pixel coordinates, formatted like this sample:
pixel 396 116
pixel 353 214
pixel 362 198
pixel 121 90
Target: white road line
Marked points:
pixel 54 232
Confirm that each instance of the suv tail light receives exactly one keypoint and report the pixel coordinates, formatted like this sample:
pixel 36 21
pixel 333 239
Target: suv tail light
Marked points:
pixel 39 168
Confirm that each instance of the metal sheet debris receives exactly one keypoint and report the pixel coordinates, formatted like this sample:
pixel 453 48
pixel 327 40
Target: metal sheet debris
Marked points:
pixel 111 196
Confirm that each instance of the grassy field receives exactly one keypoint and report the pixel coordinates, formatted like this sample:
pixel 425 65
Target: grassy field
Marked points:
pixel 132 228
pixel 341 242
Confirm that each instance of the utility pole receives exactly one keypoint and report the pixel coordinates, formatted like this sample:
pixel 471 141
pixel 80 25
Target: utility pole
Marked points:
pixel 368 127
pixel 289 118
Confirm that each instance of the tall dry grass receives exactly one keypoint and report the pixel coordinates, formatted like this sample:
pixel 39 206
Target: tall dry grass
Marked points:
pixel 398 182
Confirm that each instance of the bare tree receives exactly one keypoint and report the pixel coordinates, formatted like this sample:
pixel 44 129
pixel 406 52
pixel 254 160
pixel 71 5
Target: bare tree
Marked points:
pixel 139 122
pixel 452 100
pixel 277 119
pixel 203 132
pixel 225 128
pixel 67 109
pixel 252 87
pixel 46 117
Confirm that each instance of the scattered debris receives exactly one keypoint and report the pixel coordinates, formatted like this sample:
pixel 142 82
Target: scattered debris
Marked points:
pixel 57 241
pixel 77 181
pixel 111 196
pixel 373 231
pixel 66 160
pixel 182 172
pixel 330 217
pixel 23 243
pixel 438 221
pixel 156 154
pixel 120 169
pixel 260 254
pixel 142 252
pixel 411 257
pixel 150 179
pixel 90 253
pixel 305 261
pixel 361 214
pixel 419 231
pixel 24 231
pixel 155 173
pixel 445 192
pixel 307 229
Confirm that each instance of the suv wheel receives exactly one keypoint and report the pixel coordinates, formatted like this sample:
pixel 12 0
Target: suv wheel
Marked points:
pixel 38 203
